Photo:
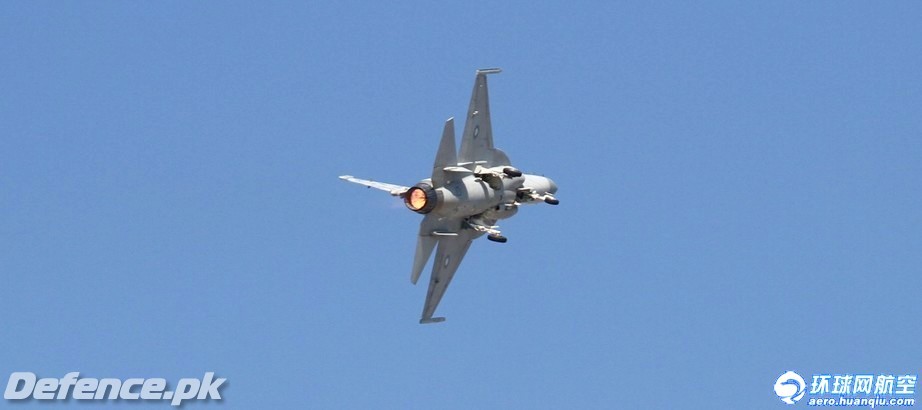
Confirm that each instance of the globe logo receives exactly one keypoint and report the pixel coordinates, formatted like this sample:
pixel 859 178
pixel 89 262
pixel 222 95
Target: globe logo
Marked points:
pixel 790 387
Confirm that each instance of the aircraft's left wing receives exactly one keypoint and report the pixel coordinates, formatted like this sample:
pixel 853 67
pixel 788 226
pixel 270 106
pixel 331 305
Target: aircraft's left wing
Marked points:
pixel 394 190
pixel 451 250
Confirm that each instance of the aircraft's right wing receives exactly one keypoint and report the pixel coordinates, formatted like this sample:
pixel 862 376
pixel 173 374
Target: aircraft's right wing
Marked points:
pixel 394 190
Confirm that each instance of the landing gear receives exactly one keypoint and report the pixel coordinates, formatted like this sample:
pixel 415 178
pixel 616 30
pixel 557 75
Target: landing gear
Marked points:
pixel 526 195
pixel 492 232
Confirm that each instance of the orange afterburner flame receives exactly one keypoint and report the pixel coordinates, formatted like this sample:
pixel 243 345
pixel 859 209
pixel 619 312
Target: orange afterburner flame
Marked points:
pixel 421 198
pixel 416 199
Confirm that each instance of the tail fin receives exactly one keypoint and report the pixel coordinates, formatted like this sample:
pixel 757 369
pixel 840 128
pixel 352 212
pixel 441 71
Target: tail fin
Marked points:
pixel 446 156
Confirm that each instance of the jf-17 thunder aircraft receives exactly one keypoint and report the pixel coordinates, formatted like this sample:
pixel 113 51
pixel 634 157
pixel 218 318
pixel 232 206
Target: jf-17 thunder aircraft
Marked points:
pixel 468 192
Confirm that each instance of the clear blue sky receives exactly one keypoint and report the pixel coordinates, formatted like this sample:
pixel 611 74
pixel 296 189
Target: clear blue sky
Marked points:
pixel 739 183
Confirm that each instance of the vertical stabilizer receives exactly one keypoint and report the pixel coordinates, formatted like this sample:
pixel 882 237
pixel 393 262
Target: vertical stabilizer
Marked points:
pixel 447 154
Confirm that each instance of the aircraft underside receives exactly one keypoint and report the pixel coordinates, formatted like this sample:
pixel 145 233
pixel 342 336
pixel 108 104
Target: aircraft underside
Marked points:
pixel 469 191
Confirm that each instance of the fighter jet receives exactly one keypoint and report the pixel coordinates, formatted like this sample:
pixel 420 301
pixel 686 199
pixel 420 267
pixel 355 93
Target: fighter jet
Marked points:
pixel 468 192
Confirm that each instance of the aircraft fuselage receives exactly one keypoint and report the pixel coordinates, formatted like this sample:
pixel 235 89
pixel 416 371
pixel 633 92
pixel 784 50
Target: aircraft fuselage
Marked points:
pixel 470 189
pixel 490 194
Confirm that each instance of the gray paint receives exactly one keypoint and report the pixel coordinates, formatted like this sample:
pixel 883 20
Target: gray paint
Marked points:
pixel 472 191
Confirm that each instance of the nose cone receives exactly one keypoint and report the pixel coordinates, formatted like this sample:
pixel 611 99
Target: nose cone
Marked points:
pixel 540 184
pixel 552 186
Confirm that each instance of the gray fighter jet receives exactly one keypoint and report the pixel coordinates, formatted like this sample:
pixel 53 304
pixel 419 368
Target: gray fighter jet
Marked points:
pixel 467 193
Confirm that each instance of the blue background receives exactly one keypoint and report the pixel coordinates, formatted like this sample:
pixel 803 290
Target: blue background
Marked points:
pixel 739 183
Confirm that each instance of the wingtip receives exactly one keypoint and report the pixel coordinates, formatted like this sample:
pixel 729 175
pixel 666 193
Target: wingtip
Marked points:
pixel 345 176
pixel 431 320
